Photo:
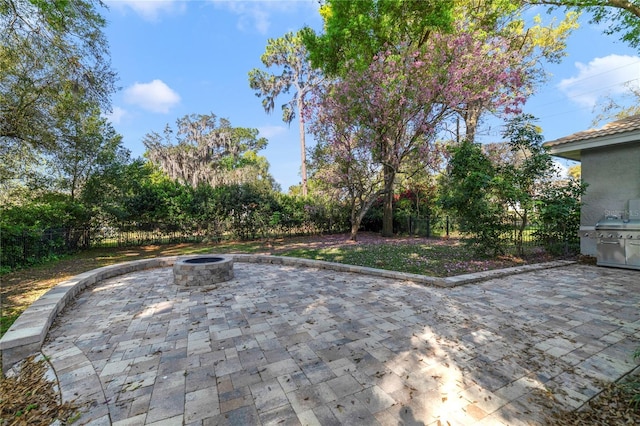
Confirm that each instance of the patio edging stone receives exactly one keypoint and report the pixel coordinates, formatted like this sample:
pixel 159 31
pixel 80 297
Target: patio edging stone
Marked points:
pixel 27 334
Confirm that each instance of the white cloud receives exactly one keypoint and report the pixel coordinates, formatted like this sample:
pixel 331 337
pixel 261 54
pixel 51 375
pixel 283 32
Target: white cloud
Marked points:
pixel 256 14
pixel 149 10
pixel 605 76
pixel 252 16
pixel 116 115
pixel 272 131
pixel 155 96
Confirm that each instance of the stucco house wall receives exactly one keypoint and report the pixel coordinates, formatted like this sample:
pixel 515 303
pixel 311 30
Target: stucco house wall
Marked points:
pixel 610 164
pixel 613 178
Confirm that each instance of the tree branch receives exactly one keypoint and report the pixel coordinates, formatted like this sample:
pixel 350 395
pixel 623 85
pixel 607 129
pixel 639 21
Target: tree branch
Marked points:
pixel 629 6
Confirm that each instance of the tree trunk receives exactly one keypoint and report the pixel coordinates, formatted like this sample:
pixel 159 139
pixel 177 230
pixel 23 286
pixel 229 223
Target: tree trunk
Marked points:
pixel 358 211
pixel 355 223
pixel 471 119
pixel 358 215
pixel 303 148
pixel 354 231
pixel 387 210
pixel 520 240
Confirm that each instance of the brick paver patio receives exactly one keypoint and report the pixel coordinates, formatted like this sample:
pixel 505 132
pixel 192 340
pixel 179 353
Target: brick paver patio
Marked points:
pixel 286 345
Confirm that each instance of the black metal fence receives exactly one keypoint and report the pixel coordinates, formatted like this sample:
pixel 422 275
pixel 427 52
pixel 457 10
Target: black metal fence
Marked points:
pixel 19 248
pixel 446 226
pixel 430 227
pixel 27 247
pixel 132 237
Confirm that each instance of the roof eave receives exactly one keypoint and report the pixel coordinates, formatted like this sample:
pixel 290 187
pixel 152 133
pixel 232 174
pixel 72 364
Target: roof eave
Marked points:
pixel 572 150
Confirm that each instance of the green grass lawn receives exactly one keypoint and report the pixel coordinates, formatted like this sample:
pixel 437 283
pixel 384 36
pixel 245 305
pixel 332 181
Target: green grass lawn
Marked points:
pixel 413 258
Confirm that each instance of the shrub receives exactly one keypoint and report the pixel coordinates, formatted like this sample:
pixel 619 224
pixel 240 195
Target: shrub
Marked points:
pixel 469 191
pixel 559 216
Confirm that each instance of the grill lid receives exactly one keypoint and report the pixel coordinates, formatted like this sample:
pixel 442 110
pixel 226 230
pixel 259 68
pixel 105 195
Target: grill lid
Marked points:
pixel 614 222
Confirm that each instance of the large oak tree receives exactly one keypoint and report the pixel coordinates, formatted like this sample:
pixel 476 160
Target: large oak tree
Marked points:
pixel 48 49
pixel 205 150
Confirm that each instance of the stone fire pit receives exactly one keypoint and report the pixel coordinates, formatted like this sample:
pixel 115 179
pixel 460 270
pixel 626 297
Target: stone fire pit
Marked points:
pixel 202 270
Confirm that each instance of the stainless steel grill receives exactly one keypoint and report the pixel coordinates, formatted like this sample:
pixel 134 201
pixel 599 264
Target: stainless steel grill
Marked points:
pixel 618 242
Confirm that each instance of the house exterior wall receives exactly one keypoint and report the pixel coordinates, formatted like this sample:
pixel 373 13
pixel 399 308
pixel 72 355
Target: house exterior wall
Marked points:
pixel 613 177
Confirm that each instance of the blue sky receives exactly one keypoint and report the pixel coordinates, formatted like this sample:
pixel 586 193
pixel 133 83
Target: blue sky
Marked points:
pixel 181 57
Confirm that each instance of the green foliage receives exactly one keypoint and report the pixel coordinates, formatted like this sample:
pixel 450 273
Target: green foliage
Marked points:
pixel 248 209
pixel 203 210
pixel 40 230
pixel 518 181
pixel 355 31
pixel 140 193
pixel 484 194
pixel 288 54
pixel 48 52
pixel 162 203
pixel 52 210
pixel 558 209
pixel 22 246
pixel 156 206
pixel 613 16
pixel 204 149
pixel 87 144
pixel 469 190
pixel 108 190
pixel 291 213
pixel 55 83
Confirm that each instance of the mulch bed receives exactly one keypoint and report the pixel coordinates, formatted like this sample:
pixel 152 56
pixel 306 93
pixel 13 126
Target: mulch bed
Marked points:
pixel 617 404
pixel 30 399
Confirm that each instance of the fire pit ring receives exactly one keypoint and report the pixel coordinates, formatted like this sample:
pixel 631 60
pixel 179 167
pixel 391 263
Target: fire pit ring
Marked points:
pixel 202 270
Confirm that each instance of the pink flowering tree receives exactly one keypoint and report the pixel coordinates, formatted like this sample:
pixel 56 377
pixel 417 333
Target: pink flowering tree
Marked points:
pixel 395 108
pixel 344 165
